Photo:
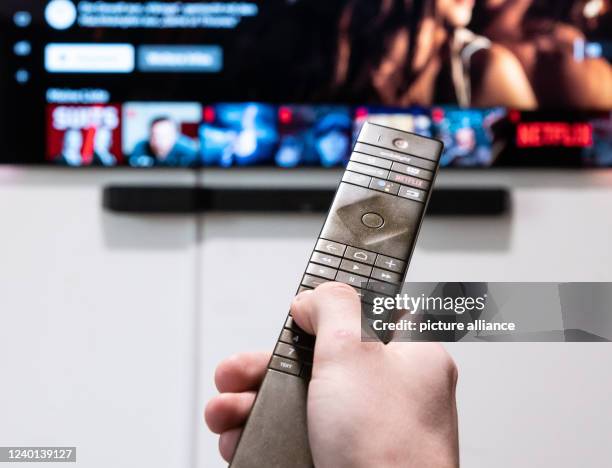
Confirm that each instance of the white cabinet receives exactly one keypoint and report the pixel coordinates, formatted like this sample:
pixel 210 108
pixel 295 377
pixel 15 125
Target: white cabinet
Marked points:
pixel 96 321
pixel 111 325
pixel 533 404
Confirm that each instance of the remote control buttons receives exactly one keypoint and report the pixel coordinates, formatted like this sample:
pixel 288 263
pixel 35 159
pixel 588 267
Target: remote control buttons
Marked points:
pixel 409 180
pixel 291 352
pixel 372 220
pixel 285 365
pixel 297 338
pixel 384 186
pixel 320 270
pixel 371 160
pixel 389 263
pixel 354 267
pixel 368 170
pixel 389 138
pixel 395 156
pixel 323 259
pixel 312 281
pixel 349 278
pixel 363 168
pixel 387 276
pixel 409 170
pixel 289 323
pixel 381 287
pixel 357 179
pixel 359 255
pixel 400 143
pixel 413 194
pixel 330 247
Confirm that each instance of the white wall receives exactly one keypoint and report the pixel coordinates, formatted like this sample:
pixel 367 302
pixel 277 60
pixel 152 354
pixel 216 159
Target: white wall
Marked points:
pixel 111 325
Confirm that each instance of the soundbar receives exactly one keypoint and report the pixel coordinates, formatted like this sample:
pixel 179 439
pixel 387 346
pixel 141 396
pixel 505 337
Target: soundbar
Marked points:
pixel 142 199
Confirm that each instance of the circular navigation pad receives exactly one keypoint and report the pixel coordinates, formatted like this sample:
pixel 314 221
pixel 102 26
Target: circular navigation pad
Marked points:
pixel 372 220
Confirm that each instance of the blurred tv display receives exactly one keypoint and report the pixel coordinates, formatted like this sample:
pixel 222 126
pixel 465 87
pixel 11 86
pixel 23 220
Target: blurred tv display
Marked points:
pixel 286 83
pixel 238 135
pixel 84 135
pixel 161 134
pixel 467 135
pixel 314 136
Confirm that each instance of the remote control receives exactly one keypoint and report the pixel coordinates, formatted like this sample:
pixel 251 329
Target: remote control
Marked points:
pixel 367 239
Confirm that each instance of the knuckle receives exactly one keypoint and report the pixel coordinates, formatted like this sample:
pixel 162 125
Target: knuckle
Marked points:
pixel 296 304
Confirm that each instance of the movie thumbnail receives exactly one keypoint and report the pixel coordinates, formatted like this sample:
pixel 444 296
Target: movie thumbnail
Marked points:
pixel 313 136
pixel 161 134
pixel 413 119
pixel 467 135
pixel 80 135
pixel 242 134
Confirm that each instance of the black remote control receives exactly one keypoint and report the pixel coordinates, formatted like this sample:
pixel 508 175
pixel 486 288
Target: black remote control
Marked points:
pixel 367 239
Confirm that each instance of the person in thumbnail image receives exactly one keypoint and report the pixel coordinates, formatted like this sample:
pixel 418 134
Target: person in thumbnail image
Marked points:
pixel 246 143
pixel 323 140
pixel 165 146
pixel 290 151
pixel 103 142
pixel 74 142
pixel 72 146
pixel 600 153
pixel 251 142
pixel 241 135
pixel 332 139
pixel 550 39
pixel 420 52
pixel 462 149
pixel 469 136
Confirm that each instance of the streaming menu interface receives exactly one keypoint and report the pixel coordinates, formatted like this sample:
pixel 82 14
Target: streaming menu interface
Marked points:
pixel 247 83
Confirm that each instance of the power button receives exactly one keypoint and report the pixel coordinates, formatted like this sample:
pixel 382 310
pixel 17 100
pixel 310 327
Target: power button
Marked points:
pixel 400 143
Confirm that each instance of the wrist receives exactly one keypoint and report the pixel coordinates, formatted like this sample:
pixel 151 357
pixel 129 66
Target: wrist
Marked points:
pixel 425 451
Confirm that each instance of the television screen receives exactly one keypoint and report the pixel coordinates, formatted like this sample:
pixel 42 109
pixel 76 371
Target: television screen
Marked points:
pixel 287 83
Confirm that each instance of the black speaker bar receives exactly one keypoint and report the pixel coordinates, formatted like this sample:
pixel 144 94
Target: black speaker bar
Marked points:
pixel 185 200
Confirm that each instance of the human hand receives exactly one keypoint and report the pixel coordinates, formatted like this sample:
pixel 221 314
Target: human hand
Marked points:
pixel 369 404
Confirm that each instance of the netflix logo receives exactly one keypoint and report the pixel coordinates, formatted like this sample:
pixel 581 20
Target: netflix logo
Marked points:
pixel 542 134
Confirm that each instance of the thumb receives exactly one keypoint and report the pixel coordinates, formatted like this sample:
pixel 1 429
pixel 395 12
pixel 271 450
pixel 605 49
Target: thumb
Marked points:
pixel 332 312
